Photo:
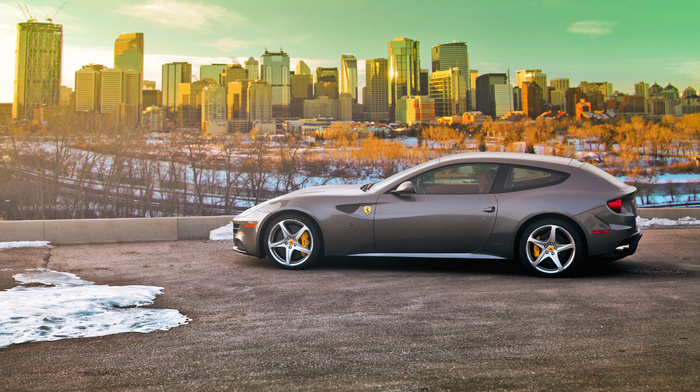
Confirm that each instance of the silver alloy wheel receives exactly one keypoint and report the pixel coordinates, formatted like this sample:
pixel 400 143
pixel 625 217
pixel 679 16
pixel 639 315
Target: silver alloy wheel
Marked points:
pixel 285 242
pixel 550 249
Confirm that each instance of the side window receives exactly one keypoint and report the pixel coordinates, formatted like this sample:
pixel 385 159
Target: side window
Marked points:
pixel 457 179
pixel 520 178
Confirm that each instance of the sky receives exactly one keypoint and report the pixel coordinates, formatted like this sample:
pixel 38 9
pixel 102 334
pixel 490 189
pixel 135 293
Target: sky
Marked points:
pixel 618 41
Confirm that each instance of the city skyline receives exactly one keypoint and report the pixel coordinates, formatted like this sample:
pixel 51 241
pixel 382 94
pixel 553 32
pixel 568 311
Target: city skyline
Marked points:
pixel 619 42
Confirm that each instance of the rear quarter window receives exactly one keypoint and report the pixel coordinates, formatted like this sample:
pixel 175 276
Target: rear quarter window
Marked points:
pixel 519 178
pixel 598 172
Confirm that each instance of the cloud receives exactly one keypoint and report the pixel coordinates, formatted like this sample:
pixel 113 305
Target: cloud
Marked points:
pixel 591 28
pixel 180 14
pixel 690 69
pixel 230 44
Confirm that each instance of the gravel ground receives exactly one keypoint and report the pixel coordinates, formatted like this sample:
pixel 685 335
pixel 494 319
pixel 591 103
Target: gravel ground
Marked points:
pixel 377 325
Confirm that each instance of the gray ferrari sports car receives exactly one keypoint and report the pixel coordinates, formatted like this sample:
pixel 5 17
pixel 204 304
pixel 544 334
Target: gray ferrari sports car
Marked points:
pixel 551 213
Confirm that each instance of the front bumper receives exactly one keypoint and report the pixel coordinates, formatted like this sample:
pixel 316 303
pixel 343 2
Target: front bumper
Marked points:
pixel 246 234
pixel 237 243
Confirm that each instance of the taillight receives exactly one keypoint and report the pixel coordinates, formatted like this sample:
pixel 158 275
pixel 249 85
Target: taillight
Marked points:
pixel 616 205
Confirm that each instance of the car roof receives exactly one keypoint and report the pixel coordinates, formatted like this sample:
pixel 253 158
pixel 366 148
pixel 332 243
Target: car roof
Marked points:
pixel 507 157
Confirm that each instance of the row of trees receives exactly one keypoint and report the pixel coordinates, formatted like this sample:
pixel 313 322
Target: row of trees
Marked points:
pixel 65 172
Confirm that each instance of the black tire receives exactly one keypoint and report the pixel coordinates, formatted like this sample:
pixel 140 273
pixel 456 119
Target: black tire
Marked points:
pixel 285 238
pixel 550 247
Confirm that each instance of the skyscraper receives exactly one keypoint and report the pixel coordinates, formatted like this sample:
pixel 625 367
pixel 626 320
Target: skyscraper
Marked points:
pixel 448 90
pixel 37 67
pixel 87 88
pixel 348 75
pixel 597 93
pixel 232 73
pixel 132 88
pixel 494 96
pixel 302 87
pixel 404 68
pixel 561 84
pixel 173 75
pixel 520 76
pixel 641 89
pixel 237 100
pixel 452 55
pixel 536 76
pixel 573 96
pixel 275 71
pixel 212 71
pixel 376 99
pixel 189 103
pixel 260 101
pixel 214 119
pixel 473 74
pixel 111 90
pixel 302 68
pixel 326 83
pixel 533 101
pixel 65 96
pixel 557 91
pixel 128 52
pixel 128 56
pixel 253 68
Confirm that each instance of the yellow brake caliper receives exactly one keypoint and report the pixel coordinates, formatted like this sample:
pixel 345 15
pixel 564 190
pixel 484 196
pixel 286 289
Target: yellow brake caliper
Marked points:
pixel 305 242
pixel 536 250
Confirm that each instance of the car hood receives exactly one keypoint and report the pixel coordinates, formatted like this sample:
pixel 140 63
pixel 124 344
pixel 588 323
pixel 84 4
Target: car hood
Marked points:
pixel 326 190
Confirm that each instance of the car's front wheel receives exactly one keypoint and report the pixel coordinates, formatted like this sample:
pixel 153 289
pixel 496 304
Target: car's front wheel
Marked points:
pixel 550 247
pixel 293 241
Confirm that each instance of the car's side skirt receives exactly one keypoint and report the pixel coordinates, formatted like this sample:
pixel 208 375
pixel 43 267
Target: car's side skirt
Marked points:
pixel 432 255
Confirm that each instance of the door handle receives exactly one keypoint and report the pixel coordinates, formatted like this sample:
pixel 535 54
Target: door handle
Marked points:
pixel 490 209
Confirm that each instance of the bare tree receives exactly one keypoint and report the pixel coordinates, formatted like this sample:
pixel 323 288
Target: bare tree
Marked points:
pixel 257 169
pixel 199 158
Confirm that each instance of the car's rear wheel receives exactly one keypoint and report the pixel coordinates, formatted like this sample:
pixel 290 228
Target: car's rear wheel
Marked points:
pixel 293 241
pixel 550 247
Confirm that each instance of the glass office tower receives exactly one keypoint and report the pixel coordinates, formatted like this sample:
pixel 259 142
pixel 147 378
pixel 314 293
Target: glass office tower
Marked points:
pixel 37 67
pixel 404 69
pixel 348 75
pixel 275 71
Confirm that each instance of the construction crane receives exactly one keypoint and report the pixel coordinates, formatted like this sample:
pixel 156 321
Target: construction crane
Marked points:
pixel 27 14
pixel 54 15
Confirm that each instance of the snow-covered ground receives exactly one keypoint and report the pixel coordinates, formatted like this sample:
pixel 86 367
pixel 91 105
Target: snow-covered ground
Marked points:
pixel 687 221
pixel 224 233
pixel 64 306
pixel 24 244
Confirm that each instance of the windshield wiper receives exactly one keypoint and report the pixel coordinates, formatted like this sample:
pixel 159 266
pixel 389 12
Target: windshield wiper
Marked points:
pixel 366 187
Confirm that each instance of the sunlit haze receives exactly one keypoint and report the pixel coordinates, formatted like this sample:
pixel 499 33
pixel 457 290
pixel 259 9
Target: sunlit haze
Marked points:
pixel 622 41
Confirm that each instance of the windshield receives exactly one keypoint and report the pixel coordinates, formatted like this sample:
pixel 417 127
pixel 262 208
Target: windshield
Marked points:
pixel 407 172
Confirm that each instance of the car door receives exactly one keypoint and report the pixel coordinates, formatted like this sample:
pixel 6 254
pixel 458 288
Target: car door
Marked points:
pixel 451 211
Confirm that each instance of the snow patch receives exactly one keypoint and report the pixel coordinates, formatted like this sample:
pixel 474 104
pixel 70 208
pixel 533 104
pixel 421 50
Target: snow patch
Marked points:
pixel 687 221
pixel 224 233
pixel 69 307
pixel 24 244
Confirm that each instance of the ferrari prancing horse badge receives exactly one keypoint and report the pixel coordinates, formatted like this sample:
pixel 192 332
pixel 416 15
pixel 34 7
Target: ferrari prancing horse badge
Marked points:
pixel 368 210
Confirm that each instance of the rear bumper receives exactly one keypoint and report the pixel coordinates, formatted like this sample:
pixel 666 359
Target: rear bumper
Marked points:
pixel 626 247
pixel 629 245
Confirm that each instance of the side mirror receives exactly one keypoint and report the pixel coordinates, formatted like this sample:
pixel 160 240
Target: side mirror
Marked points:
pixel 405 188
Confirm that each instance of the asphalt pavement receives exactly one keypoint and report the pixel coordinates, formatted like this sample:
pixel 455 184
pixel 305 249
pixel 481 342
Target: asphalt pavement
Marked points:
pixel 377 325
